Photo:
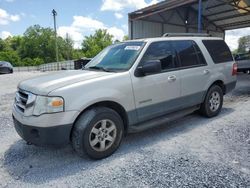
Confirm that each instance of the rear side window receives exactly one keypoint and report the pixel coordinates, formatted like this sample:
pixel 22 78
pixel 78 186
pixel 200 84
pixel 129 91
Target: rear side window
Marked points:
pixel 218 50
pixel 189 53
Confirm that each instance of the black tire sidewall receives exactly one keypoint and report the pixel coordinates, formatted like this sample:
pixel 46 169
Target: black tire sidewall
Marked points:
pixel 87 123
pixel 206 107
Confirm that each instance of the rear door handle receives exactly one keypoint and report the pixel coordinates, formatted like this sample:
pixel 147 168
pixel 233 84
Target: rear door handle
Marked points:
pixel 206 71
pixel 172 78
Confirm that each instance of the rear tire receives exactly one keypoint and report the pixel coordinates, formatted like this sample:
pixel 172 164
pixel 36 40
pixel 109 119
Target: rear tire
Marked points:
pixel 213 102
pixel 98 133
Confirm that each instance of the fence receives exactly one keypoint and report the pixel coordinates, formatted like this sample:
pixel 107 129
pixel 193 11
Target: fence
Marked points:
pixel 69 65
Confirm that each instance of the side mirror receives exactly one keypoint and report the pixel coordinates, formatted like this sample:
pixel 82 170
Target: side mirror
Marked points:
pixel 148 67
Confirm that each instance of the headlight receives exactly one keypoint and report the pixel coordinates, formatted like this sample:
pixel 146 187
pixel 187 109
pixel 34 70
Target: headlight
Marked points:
pixel 48 105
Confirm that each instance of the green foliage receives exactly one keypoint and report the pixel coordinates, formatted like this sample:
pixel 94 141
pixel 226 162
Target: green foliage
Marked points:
pixel 38 42
pixel 37 46
pixel 10 56
pixel 31 62
pixel 244 43
pixel 93 44
pixel 27 61
pixel 125 38
pixel 37 61
pixel 78 54
pixel 65 47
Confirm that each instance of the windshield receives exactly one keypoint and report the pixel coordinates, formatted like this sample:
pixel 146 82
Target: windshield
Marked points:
pixel 116 57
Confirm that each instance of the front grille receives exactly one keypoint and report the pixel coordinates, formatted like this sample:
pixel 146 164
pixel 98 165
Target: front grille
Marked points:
pixel 21 100
pixel 24 100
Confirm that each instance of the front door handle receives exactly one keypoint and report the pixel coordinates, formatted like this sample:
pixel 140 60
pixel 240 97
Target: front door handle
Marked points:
pixel 206 71
pixel 172 78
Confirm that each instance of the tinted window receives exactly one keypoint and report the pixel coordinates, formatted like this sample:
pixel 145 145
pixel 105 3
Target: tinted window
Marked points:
pixel 199 54
pixel 186 53
pixel 218 50
pixel 162 51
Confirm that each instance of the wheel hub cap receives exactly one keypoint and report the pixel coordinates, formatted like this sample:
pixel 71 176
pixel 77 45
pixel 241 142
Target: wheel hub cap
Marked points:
pixel 102 135
pixel 214 101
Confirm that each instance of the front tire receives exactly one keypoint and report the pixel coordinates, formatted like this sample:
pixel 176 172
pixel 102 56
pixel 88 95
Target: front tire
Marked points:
pixel 213 102
pixel 98 133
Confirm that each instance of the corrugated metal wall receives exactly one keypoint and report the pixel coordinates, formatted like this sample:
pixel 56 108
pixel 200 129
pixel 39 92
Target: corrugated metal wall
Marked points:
pixel 172 21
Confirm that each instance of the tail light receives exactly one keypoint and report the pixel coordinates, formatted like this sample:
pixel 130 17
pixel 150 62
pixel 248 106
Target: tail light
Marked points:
pixel 235 69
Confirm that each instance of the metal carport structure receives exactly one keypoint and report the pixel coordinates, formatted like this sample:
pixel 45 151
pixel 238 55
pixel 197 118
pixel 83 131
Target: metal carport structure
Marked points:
pixel 186 16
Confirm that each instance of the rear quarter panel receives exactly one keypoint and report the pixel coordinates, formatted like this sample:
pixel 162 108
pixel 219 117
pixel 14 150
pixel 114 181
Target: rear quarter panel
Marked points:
pixel 220 71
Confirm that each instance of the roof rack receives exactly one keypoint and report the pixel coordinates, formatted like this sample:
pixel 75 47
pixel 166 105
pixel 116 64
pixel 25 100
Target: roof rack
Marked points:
pixel 186 35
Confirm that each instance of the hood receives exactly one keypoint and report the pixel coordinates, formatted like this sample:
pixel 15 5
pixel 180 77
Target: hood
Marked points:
pixel 42 85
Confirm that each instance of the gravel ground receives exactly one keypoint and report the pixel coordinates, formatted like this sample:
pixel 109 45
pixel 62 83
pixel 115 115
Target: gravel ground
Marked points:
pixel 191 152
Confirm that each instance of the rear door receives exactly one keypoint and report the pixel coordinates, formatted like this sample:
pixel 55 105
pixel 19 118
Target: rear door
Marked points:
pixel 194 72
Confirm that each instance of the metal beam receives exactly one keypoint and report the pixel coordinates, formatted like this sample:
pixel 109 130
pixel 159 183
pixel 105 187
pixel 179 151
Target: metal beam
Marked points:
pixel 206 20
pixel 179 25
pixel 236 24
pixel 171 5
pixel 219 4
pixel 221 12
pixel 230 17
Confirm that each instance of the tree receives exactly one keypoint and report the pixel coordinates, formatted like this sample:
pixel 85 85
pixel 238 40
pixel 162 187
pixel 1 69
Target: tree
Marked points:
pixel 14 42
pixel 65 48
pixel 10 56
pixel 38 42
pixel 125 38
pixel 93 44
pixel 244 43
pixel 78 54
pixel 2 45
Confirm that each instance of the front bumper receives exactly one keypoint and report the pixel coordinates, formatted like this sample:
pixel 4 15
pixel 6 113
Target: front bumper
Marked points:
pixel 45 130
pixel 44 136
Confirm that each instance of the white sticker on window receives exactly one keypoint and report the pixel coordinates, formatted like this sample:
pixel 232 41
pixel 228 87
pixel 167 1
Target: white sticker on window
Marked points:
pixel 132 48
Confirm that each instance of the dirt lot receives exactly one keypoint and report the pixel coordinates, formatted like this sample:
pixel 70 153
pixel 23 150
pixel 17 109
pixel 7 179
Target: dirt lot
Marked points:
pixel 191 152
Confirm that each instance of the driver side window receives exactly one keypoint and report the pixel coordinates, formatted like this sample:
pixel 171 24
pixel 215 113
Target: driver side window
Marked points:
pixel 162 51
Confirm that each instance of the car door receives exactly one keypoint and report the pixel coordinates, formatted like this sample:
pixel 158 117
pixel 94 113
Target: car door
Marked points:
pixel 194 72
pixel 156 94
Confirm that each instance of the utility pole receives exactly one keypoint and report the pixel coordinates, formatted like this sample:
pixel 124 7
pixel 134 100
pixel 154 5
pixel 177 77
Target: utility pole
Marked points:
pixel 54 16
pixel 68 47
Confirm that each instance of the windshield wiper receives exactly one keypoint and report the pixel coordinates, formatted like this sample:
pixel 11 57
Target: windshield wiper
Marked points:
pixel 99 68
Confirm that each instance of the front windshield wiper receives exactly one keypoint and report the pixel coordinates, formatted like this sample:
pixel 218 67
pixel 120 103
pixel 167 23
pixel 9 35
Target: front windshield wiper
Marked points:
pixel 100 68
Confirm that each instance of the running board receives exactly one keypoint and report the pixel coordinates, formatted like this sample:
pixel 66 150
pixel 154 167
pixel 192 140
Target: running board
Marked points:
pixel 161 120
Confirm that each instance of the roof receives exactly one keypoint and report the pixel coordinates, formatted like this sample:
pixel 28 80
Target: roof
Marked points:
pixel 224 14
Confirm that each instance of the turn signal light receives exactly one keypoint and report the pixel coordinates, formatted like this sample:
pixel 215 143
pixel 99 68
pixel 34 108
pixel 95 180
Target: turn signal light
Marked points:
pixel 57 103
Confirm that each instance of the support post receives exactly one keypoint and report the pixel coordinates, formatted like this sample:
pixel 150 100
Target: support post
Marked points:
pixel 200 17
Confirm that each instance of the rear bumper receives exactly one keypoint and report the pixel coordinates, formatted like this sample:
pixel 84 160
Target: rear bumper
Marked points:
pixel 44 136
pixel 230 86
pixel 243 69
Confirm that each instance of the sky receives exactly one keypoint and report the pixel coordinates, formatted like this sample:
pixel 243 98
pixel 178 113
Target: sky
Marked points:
pixel 78 18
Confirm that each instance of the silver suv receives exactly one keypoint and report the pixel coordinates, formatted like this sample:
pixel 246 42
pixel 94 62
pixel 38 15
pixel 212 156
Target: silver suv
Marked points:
pixel 128 87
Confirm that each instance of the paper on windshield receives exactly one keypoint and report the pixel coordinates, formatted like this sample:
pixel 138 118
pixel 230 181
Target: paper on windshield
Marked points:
pixel 132 48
